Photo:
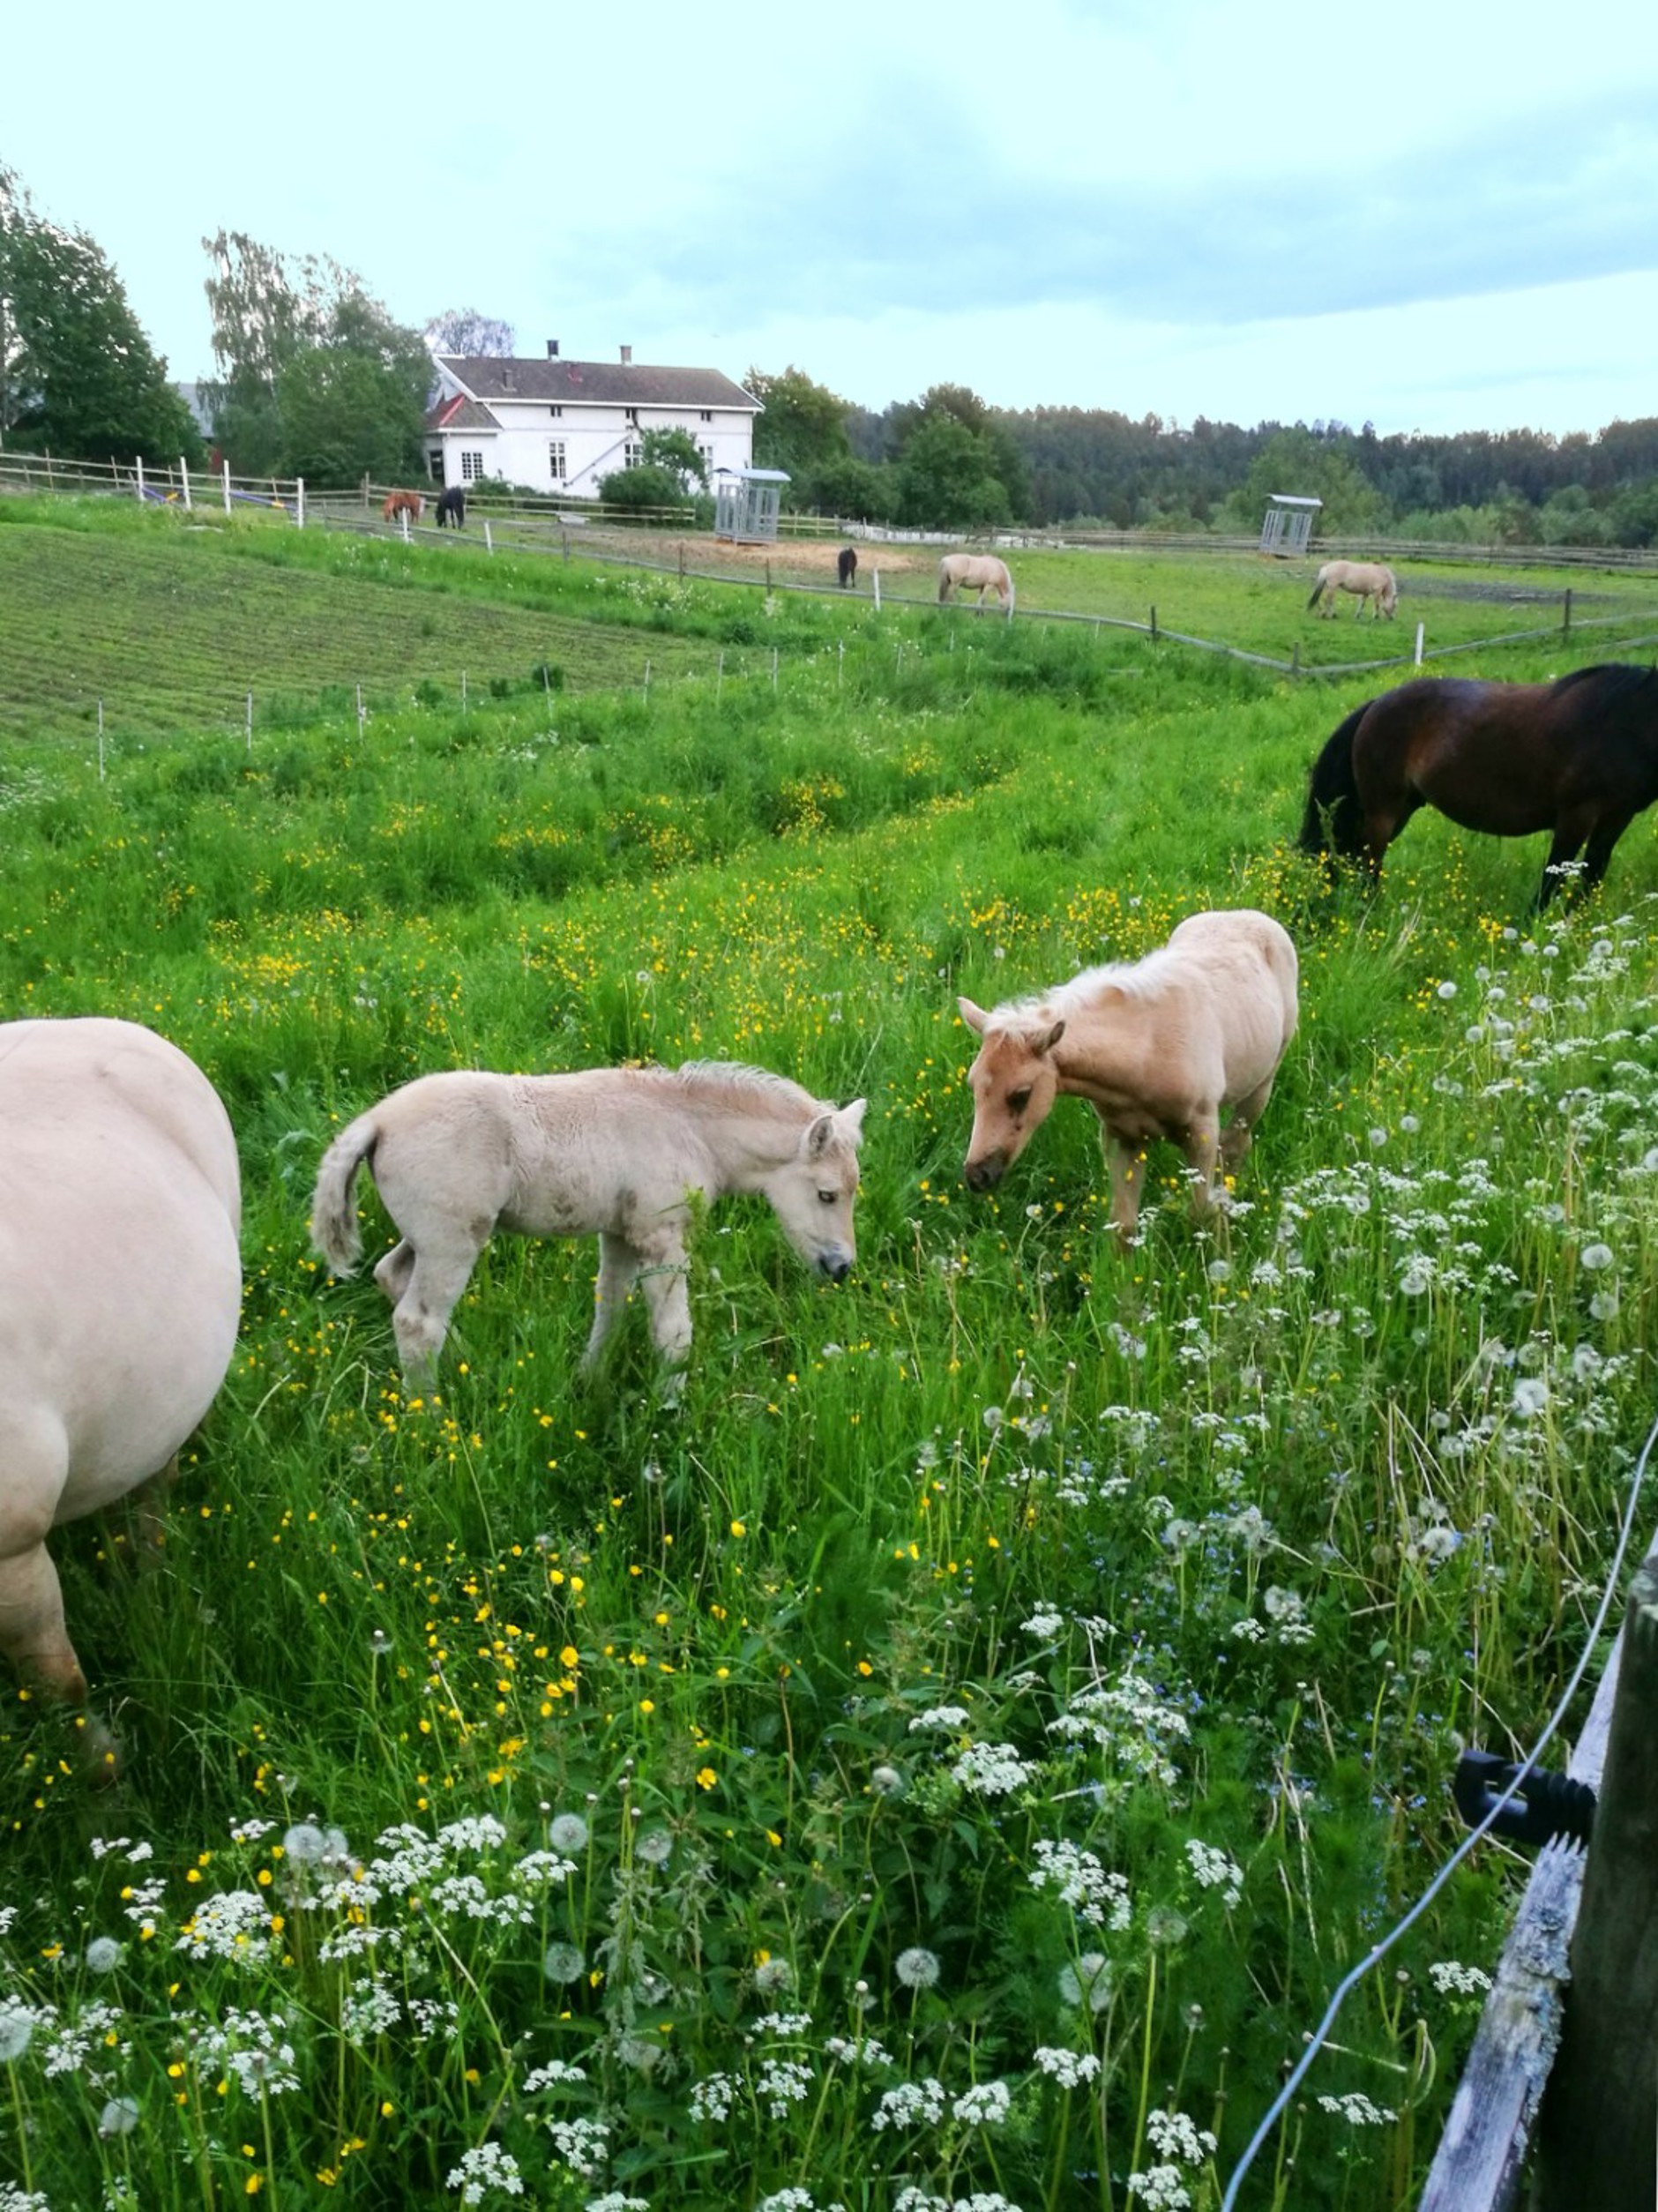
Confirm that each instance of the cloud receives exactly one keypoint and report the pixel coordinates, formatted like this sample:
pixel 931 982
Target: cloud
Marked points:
pixel 917 209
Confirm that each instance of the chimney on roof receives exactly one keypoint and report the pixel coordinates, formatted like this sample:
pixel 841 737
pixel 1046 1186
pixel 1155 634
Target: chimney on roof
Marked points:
pixel 627 356
pixel 552 349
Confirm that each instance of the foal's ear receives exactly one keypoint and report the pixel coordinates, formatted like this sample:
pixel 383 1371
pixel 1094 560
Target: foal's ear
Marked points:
pixel 1040 1045
pixel 819 1136
pixel 973 1016
pixel 851 1119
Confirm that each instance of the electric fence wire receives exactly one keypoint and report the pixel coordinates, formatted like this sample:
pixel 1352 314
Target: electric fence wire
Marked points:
pixel 1378 1952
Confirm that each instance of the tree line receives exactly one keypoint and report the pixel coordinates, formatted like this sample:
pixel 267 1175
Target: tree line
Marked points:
pixel 949 460
pixel 315 377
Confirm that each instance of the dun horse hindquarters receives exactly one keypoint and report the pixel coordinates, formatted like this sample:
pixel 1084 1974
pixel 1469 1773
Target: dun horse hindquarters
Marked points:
pixel 1160 1048
pixel 1365 579
pixel 978 572
pixel 120 1291
pixel 624 1154
pixel 1578 757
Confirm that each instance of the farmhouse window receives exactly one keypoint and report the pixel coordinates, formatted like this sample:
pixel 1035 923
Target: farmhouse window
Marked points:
pixel 555 459
pixel 555 410
pixel 471 467
pixel 707 451
pixel 632 452
pixel 708 414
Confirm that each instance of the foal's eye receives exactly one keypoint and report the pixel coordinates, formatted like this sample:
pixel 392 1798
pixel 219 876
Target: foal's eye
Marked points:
pixel 1017 1101
pixel 827 1198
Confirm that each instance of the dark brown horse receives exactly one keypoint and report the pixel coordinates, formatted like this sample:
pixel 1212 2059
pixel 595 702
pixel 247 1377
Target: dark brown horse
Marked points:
pixel 1578 757
pixel 846 566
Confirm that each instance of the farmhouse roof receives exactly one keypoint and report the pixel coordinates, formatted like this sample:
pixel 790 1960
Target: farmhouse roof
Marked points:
pixel 459 413
pixel 488 377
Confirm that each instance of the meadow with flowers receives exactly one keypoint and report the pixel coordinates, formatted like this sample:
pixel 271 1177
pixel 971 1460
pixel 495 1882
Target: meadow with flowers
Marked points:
pixel 941 1759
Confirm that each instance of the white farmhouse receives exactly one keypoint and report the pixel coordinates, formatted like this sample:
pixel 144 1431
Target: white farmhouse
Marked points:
pixel 558 426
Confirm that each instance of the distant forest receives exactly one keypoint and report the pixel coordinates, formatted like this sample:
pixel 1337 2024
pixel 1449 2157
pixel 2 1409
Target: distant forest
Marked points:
pixel 1579 490
pixel 949 459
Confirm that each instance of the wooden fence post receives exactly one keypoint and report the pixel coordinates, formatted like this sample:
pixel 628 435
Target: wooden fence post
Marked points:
pixel 184 478
pixel 226 466
pixel 299 495
pixel 1565 619
pixel 1599 2135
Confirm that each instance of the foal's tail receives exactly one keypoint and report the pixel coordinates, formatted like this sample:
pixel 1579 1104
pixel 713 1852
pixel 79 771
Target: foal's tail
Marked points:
pixel 1317 590
pixel 1334 821
pixel 334 1223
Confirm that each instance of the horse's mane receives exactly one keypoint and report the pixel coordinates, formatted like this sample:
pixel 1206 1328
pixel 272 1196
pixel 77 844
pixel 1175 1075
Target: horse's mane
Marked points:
pixel 1139 978
pixel 733 1080
pixel 1613 680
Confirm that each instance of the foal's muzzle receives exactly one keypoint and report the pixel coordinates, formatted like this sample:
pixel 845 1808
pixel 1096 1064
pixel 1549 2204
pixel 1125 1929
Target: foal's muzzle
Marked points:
pixel 835 1265
pixel 984 1175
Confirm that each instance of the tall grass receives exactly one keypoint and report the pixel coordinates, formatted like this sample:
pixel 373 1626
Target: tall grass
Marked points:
pixel 947 1756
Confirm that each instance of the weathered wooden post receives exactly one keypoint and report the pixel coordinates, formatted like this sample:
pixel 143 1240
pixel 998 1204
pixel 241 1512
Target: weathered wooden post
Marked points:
pixel 1599 2137
pixel 225 467
pixel 184 478
pixel 1566 617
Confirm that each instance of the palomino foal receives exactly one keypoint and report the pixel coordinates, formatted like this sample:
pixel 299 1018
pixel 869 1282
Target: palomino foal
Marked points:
pixel 120 1293
pixel 1158 1047
pixel 624 1154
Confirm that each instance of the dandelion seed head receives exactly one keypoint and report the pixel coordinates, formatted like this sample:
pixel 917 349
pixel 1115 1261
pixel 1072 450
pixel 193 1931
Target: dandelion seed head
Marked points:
pixel 916 1968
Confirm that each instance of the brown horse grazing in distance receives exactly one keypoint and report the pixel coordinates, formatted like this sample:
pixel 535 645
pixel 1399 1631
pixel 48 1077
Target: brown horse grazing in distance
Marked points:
pixel 1578 757
pixel 1366 580
pixel 1158 1047
pixel 408 503
pixel 846 566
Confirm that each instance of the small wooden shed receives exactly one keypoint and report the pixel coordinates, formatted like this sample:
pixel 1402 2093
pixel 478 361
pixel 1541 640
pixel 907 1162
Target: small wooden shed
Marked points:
pixel 746 502
pixel 1289 523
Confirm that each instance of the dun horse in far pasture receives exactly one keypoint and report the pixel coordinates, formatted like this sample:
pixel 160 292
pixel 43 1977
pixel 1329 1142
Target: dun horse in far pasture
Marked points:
pixel 1365 579
pixel 622 1153
pixel 120 1292
pixel 1160 1048
pixel 978 572
pixel 1578 757
pixel 408 503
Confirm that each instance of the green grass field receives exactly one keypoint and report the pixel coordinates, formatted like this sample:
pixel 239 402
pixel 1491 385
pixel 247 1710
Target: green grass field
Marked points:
pixel 948 1756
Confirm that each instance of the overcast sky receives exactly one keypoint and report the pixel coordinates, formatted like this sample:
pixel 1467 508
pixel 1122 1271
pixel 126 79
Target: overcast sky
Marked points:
pixel 1428 216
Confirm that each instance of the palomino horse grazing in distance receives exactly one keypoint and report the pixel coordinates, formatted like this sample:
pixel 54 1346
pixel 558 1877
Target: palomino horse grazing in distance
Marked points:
pixel 846 566
pixel 978 572
pixel 1366 580
pixel 1578 757
pixel 452 506
pixel 120 1291
pixel 624 1152
pixel 408 503
pixel 1158 1047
